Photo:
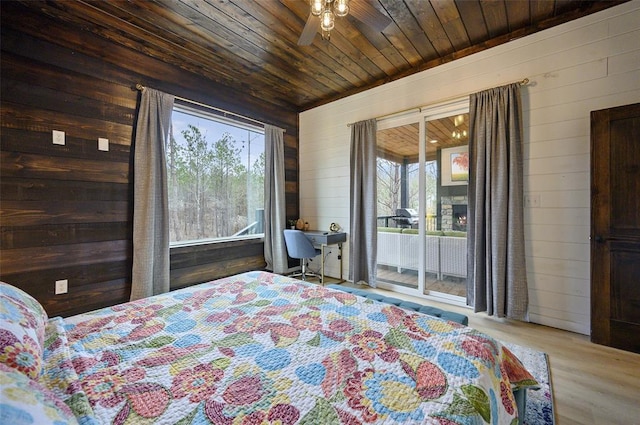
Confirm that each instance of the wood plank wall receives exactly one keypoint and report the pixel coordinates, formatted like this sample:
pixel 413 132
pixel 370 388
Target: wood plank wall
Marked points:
pixel 66 212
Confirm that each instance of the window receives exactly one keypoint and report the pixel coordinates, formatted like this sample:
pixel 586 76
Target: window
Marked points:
pixel 215 174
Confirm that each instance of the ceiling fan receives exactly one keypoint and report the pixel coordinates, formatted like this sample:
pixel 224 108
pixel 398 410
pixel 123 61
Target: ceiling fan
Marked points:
pixel 323 12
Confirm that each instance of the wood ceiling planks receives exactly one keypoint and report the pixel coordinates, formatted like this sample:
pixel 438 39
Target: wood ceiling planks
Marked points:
pixel 251 46
pixel 401 143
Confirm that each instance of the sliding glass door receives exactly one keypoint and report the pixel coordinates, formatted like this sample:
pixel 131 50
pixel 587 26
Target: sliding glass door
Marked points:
pixel 422 199
pixel 398 180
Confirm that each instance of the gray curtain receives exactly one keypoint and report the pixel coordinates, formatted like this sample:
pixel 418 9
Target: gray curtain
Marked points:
pixel 150 274
pixel 497 281
pixel 275 253
pixel 363 236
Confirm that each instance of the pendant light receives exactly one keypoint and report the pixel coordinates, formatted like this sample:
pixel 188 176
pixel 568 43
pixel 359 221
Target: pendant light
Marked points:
pixel 327 10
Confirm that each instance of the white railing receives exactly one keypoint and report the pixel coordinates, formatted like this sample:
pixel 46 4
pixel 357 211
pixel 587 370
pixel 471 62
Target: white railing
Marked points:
pixel 453 256
pixel 388 251
pixel 445 255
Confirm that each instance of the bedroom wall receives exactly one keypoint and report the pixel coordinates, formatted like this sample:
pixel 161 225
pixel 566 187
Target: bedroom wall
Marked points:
pixel 585 65
pixel 67 210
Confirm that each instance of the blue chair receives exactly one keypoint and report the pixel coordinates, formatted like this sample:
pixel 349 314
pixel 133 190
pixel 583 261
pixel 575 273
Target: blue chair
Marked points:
pixel 298 246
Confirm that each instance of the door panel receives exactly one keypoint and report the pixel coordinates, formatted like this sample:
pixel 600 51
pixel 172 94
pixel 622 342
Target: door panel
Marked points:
pixel 429 253
pixel 625 176
pixel 625 292
pixel 615 227
pixel 397 178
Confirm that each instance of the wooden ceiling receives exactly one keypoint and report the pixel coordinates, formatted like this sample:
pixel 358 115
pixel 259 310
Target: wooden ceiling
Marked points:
pixel 252 45
pixel 401 144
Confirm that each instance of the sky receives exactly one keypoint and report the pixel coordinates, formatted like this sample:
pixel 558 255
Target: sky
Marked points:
pixel 213 131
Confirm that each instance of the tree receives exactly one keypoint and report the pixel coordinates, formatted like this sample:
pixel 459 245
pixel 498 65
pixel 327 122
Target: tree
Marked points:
pixel 388 181
pixel 194 174
pixel 256 183
pixel 175 232
pixel 389 186
pixel 226 184
pixel 209 187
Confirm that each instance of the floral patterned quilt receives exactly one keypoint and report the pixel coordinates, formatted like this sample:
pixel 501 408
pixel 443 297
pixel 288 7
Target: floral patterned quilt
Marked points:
pixel 259 348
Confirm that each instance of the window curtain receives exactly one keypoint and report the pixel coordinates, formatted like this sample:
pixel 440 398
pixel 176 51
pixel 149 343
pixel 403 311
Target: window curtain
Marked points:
pixel 497 281
pixel 150 273
pixel 275 253
pixel 363 236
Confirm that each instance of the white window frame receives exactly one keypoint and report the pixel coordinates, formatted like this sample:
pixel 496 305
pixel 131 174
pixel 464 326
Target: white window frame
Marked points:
pixel 200 111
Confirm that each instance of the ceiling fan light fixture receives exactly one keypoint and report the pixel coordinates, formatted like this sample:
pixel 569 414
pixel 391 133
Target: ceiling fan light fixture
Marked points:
pixel 327 20
pixel 317 6
pixel 327 11
pixel 341 8
pixel 459 134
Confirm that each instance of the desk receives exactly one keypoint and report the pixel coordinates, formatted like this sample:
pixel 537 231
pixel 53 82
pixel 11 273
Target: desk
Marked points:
pixel 322 239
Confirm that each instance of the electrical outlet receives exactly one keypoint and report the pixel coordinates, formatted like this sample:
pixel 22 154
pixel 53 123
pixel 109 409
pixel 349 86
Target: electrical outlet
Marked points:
pixel 58 137
pixel 532 200
pixel 62 286
pixel 103 144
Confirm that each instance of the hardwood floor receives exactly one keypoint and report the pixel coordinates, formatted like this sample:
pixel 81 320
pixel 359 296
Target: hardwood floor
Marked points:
pixel 592 384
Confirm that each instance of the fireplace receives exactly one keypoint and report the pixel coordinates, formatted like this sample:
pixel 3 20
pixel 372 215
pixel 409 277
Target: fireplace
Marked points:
pixel 454 213
pixel 459 221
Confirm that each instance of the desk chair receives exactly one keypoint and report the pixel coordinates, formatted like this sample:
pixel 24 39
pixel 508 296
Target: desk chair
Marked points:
pixel 298 246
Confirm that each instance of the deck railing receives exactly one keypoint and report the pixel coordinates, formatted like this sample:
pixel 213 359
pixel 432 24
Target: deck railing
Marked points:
pixel 446 252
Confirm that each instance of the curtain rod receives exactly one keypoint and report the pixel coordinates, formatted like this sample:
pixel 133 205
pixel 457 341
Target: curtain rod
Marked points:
pixel 140 87
pixel 420 108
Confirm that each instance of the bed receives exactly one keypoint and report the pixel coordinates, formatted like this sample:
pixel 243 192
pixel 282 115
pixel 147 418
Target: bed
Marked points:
pixel 254 348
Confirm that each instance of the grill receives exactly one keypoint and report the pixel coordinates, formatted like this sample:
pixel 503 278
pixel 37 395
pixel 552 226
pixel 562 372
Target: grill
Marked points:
pixel 406 217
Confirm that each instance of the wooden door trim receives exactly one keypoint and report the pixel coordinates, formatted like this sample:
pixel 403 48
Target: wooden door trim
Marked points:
pixel 600 199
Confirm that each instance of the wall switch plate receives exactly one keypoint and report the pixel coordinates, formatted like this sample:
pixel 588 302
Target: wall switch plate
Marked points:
pixel 58 137
pixel 103 144
pixel 62 286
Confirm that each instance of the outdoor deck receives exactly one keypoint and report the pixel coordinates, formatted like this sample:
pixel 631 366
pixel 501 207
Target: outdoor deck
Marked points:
pixel 409 278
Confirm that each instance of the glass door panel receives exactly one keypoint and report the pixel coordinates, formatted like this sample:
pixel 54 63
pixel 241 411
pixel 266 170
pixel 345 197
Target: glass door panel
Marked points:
pixel 446 180
pixel 422 179
pixel 398 205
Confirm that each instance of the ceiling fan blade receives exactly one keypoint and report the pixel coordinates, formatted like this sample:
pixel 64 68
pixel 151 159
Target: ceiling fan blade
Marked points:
pixel 363 11
pixel 309 31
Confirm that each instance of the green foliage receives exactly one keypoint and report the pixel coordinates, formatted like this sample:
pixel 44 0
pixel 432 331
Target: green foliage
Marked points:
pixel 390 229
pixel 212 194
pixel 455 234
